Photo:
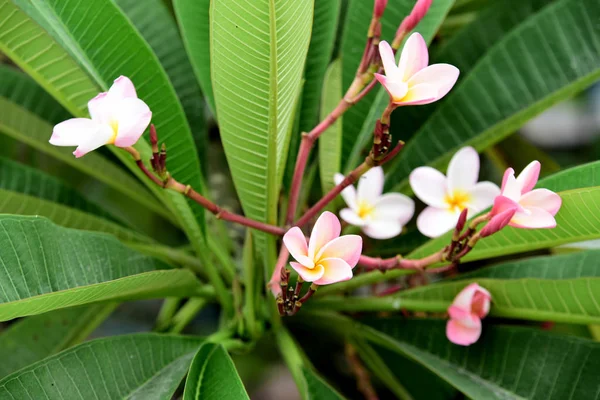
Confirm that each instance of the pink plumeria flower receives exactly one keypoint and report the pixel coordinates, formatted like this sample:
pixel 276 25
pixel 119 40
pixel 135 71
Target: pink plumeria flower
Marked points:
pixel 117 117
pixel 329 257
pixel 448 196
pixel 379 216
pixel 468 308
pixel 412 82
pixel 533 208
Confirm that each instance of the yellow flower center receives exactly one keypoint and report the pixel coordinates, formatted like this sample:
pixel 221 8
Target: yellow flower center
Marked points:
pixel 458 200
pixel 115 128
pixel 364 209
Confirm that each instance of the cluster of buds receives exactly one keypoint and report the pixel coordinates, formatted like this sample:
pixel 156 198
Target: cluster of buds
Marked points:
pixel 159 158
pixel 289 301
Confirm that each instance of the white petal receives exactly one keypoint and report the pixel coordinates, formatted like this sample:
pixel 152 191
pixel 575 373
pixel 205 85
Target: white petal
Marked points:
pixel 434 222
pixel 133 117
pixel 122 88
pixel 429 185
pixel 103 135
pixel 370 186
pixel 394 206
pixel 73 131
pixel 414 56
pixel 463 169
pixel 101 108
pixel 542 198
pixel 325 230
pixel 533 218
pixel 510 187
pixel 351 217
pixel 383 229
pixel 387 58
pixel 482 196
pixel 528 178
pixel 348 194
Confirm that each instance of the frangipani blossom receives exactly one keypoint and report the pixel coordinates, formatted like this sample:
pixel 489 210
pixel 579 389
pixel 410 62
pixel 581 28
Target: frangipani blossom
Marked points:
pixel 533 208
pixel 468 308
pixel 448 196
pixel 328 257
pixel 117 117
pixel 379 216
pixel 412 82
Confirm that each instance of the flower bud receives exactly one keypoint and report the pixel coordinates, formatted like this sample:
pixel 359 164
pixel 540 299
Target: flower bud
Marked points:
pixel 379 8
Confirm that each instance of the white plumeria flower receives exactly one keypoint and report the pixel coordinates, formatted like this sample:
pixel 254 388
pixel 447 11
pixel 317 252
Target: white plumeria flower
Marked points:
pixel 379 216
pixel 448 196
pixel 117 117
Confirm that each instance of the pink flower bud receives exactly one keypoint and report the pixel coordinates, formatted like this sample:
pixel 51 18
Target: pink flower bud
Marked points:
pixel 379 8
pixel 416 15
pixel 468 308
pixel 498 222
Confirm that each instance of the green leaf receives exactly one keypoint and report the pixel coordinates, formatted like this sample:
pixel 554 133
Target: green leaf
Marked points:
pixel 35 183
pixel 213 376
pixel 322 40
pixel 52 267
pixel 354 39
pixel 586 175
pixel 358 130
pixel 143 366
pixel 330 142
pixel 194 23
pixel 318 389
pixel 155 23
pixel 255 108
pixel 506 362
pixel 40 336
pixel 17 120
pixel 547 58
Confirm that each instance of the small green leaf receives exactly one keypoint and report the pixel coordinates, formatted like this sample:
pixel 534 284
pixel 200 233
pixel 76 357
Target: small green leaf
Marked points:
pixel 213 376
pixel 40 336
pixel 330 142
pixel 547 58
pixel 318 389
pixel 142 367
pixel 46 267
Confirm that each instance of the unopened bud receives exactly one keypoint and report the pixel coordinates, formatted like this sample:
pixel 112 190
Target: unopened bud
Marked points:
pixel 411 21
pixel 380 6
pixel 498 222
pixel 460 224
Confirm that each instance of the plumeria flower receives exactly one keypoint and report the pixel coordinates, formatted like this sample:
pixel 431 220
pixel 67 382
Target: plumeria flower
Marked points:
pixel 117 117
pixel 412 82
pixel 468 308
pixel 329 257
pixel 533 208
pixel 379 216
pixel 448 196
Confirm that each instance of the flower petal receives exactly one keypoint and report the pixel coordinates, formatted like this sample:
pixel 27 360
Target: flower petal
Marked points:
pixel 529 176
pixel 462 335
pixel 418 95
pixel 295 242
pixel 309 275
pixel 434 222
pixel 502 204
pixel 103 135
pixel 133 117
pixel 463 170
pixel 464 299
pixel 510 186
pixel 370 186
pixel 387 58
pixel 482 196
pixel 347 247
pixel 395 88
pixel 325 230
pixel 335 270
pixel 122 88
pixel 394 206
pixel 383 229
pixel 348 194
pixel 542 198
pixel 351 217
pixel 429 185
pixel 414 57
pixel 101 108
pixel 73 131
pixel 534 218
pixel 441 76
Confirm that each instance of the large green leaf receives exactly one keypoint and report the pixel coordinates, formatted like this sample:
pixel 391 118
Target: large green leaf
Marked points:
pixel 506 362
pixel 32 182
pixel 194 23
pixel 18 121
pixel 547 58
pixel 360 120
pixel 213 376
pixel 330 142
pixel 142 366
pixel 353 41
pixel 40 336
pixel 46 267
pixel 154 22
pixel 258 49
pixel 317 388
pixel 60 72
